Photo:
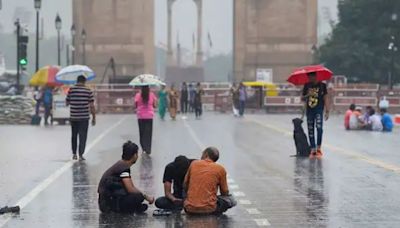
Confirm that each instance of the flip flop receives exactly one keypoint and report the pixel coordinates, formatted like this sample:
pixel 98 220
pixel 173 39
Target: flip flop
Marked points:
pixel 162 212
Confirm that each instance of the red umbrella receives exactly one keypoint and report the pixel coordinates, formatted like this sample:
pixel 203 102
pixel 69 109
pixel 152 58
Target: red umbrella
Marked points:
pixel 300 77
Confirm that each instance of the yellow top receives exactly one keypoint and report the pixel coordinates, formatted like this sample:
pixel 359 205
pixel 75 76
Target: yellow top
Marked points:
pixel 271 89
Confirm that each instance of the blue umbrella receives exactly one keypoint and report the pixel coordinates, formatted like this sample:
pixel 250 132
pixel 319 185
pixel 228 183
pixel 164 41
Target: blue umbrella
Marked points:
pixel 69 74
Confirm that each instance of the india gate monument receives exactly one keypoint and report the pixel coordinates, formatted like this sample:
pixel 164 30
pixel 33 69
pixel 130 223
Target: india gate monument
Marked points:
pixel 273 36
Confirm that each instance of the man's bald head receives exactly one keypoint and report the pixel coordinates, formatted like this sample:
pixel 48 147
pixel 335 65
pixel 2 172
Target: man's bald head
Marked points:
pixel 211 153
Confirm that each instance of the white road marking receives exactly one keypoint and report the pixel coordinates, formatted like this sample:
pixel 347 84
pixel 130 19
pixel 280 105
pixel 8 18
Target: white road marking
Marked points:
pixel 233 186
pixel 194 136
pixel 262 222
pixel 239 194
pixel 24 201
pixel 253 211
pixel 245 202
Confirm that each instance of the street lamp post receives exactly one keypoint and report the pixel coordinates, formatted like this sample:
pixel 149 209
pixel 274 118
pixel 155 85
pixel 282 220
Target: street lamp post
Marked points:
pixel 83 34
pixel 58 27
pixel 73 32
pixel 392 49
pixel 38 5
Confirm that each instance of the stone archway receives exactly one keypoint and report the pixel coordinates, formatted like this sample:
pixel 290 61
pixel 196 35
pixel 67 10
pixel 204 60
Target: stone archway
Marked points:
pixel 199 52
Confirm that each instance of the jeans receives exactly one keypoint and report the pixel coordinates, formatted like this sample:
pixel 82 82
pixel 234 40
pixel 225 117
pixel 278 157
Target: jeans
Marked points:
pixel 315 120
pixel 47 113
pixel 184 106
pixel 198 109
pixel 122 204
pixel 79 129
pixel 223 204
pixel 145 132
pixel 242 105
pixel 167 204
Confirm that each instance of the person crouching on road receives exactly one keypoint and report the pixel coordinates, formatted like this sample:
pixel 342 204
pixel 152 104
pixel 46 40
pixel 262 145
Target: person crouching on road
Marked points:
pixel 117 193
pixel 201 184
pixel 174 176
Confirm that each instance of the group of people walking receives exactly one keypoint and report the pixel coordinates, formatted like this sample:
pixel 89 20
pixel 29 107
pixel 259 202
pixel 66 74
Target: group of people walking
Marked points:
pixel 190 185
pixel 189 97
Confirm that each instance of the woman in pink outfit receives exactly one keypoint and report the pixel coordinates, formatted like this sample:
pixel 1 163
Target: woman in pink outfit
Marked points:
pixel 145 103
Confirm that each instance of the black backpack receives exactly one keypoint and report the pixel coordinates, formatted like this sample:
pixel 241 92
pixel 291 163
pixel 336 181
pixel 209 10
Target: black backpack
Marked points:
pixel 300 139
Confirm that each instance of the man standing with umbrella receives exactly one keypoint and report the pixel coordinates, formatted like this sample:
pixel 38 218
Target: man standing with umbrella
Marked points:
pixel 315 94
pixel 81 101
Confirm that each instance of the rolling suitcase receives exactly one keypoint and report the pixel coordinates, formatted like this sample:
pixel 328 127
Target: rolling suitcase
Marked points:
pixel 36 119
pixel 300 139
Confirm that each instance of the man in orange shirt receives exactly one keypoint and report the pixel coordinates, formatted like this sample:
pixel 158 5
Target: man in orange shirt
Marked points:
pixel 202 181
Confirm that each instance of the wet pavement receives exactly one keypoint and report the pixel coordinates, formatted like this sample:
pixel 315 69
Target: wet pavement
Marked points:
pixel 355 184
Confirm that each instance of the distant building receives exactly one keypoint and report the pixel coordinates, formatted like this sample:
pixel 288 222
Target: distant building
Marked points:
pixel 273 36
pixel 119 29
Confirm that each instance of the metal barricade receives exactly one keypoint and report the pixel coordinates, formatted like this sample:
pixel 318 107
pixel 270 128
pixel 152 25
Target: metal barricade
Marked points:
pixel 114 98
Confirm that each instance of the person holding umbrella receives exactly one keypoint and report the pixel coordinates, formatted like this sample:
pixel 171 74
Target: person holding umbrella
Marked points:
pixel 145 103
pixel 81 101
pixel 315 96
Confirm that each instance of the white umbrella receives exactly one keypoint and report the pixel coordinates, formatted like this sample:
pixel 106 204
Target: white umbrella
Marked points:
pixel 146 80
pixel 69 74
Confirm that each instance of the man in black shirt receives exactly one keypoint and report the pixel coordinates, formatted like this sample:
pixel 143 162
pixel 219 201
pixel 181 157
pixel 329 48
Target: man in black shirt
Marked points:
pixel 117 192
pixel 315 94
pixel 174 175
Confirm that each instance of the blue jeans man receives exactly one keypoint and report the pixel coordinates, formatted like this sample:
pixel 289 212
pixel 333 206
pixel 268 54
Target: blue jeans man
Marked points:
pixel 315 120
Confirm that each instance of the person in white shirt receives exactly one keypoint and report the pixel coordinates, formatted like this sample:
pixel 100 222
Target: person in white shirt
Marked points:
pixel 375 121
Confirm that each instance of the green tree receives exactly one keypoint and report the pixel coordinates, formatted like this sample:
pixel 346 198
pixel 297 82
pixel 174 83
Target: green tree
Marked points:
pixel 358 44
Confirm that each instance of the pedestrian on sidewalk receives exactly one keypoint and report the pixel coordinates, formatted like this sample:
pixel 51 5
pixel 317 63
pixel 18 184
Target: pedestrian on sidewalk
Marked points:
pixel 173 98
pixel 81 101
pixel 198 103
pixel 184 98
pixel 145 103
pixel 202 181
pixel 315 94
pixel 174 176
pixel 116 190
pixel 242 99
pixel 163 102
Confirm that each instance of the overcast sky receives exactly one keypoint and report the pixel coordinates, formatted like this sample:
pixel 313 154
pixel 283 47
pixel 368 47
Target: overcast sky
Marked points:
pixel 217 19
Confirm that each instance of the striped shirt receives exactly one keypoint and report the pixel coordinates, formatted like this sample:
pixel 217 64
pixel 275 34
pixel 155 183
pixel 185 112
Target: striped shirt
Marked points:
pixel 79 98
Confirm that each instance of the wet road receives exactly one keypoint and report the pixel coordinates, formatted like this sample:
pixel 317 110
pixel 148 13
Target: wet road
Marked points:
pixel 354 185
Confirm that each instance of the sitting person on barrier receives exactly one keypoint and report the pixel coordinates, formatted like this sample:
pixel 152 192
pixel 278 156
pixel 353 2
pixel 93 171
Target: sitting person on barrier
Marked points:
pixel 174 175
pixel 374 121
pixel 117 193
pixel 348 115
pixel 387 121
pixel 201 184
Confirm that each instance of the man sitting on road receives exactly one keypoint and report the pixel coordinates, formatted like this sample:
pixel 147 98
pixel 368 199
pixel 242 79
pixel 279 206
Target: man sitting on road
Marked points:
pixel 347 116
pixel 117 192
pixel 174 175
pixel 387 121
pixel 201 184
